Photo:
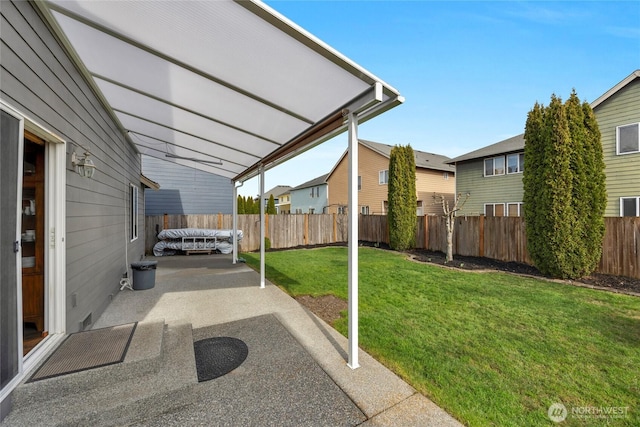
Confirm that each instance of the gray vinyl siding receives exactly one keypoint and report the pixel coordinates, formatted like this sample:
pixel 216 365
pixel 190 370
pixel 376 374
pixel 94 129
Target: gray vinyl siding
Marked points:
pixel 492 189
pixel 301 199
pixel 184 190
pixel 623 171
pixel 39 79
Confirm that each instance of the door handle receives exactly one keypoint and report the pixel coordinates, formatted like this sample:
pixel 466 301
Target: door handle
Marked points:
pixel 16 246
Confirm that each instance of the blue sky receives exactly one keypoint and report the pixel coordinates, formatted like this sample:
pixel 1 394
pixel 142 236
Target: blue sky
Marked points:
pixel 470 70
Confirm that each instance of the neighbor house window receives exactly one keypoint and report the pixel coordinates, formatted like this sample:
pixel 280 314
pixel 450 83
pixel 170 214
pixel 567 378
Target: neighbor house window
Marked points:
pixel 312 210
pixel 629 206
pixel 515 163
pixel 494 209
pixel 359 183
pixel 134 212
pixel 514 209
pixel 445 175
pixel 383 177
pixel 342 209
pixel 419 210
pixel 364 210
pixel 494 166
pixel 628 138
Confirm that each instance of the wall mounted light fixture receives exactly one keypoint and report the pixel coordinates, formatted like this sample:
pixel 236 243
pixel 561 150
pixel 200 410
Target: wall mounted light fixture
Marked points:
pixel 84 165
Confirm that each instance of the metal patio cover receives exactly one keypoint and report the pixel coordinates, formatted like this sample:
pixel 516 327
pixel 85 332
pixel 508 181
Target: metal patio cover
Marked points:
pixel 228 81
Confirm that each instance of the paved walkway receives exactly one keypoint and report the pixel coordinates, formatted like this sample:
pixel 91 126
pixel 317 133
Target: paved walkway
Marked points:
pixel 296 370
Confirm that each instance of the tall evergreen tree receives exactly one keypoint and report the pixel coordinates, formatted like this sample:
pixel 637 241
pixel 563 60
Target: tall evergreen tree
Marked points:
pixel 402 198
pixel 271 206
pixel 563 188
pixel 240 205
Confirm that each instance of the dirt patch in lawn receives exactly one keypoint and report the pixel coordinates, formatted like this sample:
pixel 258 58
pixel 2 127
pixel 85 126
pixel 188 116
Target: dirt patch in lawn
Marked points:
pixel 327 307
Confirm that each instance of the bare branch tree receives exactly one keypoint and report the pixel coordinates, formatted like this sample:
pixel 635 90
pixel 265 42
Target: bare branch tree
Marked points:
pixel 450 215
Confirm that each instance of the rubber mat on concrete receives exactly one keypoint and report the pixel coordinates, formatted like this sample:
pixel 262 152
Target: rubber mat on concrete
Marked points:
pixel 87 350
pixel 218 356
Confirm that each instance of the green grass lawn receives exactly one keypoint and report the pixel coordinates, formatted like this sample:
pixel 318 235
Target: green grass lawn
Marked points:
pixel 492 349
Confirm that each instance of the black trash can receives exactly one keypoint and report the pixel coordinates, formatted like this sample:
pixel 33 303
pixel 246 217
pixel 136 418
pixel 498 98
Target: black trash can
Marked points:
pixel 144 274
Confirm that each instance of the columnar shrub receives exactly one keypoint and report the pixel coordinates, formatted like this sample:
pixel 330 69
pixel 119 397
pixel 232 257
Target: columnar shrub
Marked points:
pixel 402 198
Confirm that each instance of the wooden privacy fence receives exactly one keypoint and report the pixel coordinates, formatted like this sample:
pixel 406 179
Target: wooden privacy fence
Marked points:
pixel 501 238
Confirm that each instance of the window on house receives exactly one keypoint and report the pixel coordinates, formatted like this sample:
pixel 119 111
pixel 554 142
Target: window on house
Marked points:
pixel 629 206
pixel 359 183
pixel 383 177
pixel 134 212
pixel 445 175
pixel 342 209
pixel 419 209
pixel 494 209
pixel 385 207
pixel 515 163
pixel 628 138
pixel 298 211
pixel 494 166
pixel 364 210
pixel 514 209
pixel 312 210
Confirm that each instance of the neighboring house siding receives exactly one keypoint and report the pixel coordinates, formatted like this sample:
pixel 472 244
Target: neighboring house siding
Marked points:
pixel 39 79
pixel 623 171
pixel 185 190
pixel 372 194
pixel 492 189
pixel 430 181
pixel 302 202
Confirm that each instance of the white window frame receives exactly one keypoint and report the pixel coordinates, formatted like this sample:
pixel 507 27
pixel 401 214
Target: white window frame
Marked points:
pixel 133 212
pixel 620 153
pixel 445 176
pixel 383 177
pixel 493 159
pixel 637 199
pixel 359 182
pixel 342 209
pixel 520 167
pixel 494 208
pixel 364 210
pixel 519 204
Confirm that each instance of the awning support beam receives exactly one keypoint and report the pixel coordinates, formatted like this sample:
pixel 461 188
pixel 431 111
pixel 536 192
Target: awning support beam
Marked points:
pixel 353 240
pixel 262 228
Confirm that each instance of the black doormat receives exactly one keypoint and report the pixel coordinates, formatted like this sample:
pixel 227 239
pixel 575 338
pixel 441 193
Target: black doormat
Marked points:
pixel 87 350
pixel 218 356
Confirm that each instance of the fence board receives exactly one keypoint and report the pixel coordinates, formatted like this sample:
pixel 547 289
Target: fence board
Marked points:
pixel 501 238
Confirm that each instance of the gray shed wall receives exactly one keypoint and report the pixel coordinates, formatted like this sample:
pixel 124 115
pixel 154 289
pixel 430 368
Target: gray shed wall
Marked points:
pixel 184 190
pixel 38 78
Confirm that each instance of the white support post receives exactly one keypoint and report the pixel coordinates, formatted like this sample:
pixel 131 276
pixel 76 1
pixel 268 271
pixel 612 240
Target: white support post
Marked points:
pixel 234 239
pixel 353 240
pixel 262 227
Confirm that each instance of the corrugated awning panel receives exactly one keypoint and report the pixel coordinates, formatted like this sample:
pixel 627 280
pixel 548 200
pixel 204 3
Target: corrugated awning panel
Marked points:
pixel 211 79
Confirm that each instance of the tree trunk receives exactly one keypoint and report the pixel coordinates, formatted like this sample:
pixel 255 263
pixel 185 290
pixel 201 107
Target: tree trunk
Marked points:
pixel 449 239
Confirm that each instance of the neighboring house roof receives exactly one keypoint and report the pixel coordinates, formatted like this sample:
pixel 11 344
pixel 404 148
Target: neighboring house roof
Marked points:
pixel 423 160
pixel 608 94
pixel 515 143
pixel 277 191
pixel 316 181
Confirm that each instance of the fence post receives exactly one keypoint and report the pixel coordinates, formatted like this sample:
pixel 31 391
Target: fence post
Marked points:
pixel 305 234
pixel 335 228
pixel 425 220
pixel 481 237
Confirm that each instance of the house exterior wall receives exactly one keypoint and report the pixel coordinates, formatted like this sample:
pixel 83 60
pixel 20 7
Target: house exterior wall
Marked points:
pixel 284 204
pixel 38 78
pixel 374 195
pixel 301 199
pixel 184 190
pixel 428 182
pixel 622 171
pixel 491 189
